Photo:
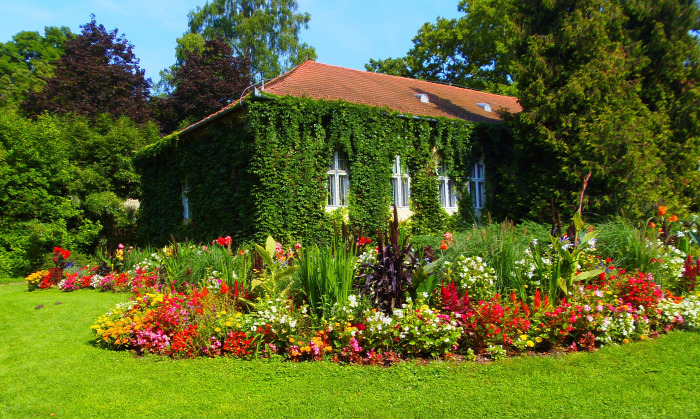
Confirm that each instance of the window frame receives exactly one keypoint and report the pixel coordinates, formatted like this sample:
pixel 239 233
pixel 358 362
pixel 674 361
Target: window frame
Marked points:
pixel 477 185
pixel 338 176
pixel 400 184
pixel 446 183
pixel 186 211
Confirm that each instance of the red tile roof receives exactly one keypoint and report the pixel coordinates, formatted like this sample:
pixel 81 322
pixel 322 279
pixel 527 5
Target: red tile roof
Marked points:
pixel 329 82
pixel 323 81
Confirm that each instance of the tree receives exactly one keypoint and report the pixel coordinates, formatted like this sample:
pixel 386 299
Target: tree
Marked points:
pixel 66 181
pixel 584 78
pixel 265 31
pixel 27 60
pixel 472 51
pixel 207 79
pixel 99 73
pixel 665 36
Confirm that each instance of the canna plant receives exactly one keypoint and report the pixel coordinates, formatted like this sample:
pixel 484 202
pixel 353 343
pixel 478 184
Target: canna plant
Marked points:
pixel 568 251
pixel 390 277
pixel 276 277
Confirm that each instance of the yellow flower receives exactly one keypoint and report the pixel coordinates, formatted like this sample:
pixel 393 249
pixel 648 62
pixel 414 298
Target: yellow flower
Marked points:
pixel 538 339
pixel 530 343
pixel 291 340
pixel 217 330
pixel 523 337
pixel 625 341
pixel 327 349
pixel 642 337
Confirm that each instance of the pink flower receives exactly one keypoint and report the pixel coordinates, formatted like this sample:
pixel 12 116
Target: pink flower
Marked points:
pixel 120 247
pixel 448 236
pixel 297 246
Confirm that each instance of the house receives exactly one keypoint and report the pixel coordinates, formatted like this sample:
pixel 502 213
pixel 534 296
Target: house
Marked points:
pixel 320 142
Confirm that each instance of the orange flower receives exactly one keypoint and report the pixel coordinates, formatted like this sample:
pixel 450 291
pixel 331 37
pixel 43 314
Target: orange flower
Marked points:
pixel 662 210
pixel 673 218
pixel 651 224
pixel 443 245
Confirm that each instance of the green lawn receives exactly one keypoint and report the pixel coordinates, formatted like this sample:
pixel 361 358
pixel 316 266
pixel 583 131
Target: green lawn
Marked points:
pixel 48 366
pixel 10 280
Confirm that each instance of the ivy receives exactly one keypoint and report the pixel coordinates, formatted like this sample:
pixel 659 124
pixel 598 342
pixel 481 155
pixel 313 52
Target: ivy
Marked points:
pixel 265 171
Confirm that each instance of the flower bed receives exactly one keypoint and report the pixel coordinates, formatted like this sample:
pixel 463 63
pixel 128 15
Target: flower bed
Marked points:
pixel 196 322
pixel 306 304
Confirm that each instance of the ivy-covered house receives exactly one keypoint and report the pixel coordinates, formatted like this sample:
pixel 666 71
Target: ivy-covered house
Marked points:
pixel 320 142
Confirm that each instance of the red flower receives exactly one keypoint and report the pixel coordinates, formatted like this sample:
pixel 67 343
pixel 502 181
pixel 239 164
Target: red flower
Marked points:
pixel 443 245
pixel 224 241
pixel 225 288
pixel 363 242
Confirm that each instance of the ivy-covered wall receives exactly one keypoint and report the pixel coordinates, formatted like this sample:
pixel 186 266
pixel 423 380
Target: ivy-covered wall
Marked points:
pixel 264 171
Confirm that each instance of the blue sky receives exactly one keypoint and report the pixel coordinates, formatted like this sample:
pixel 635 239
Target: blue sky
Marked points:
pixel 345 32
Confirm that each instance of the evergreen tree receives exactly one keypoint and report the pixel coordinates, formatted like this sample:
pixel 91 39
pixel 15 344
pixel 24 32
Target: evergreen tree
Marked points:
pixel 581 80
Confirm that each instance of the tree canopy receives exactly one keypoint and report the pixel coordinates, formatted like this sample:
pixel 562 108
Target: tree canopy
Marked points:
pixel 264 31
pixel 611 88
pixel 473 51
pixel 207 78
pixel 98 73
pixel 28 60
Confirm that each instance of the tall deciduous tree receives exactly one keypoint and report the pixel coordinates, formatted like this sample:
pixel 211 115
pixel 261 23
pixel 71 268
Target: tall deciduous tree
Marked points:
pixel 474 50
pixel 265 31
pixel 99 73
pixel 207 79
pixel 27 60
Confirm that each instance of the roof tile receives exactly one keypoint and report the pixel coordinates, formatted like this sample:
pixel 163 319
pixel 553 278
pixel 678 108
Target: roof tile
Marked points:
pixel 323 81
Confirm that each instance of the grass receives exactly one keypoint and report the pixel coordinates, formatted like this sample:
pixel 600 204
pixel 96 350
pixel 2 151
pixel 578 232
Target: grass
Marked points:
pixel 48 366
pixel 10 280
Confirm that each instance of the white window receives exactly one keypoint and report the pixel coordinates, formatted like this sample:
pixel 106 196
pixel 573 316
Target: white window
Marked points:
pixel 338 182
pixel 477 186
pixel 400 184
pixel 448 195
pixel 185 201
